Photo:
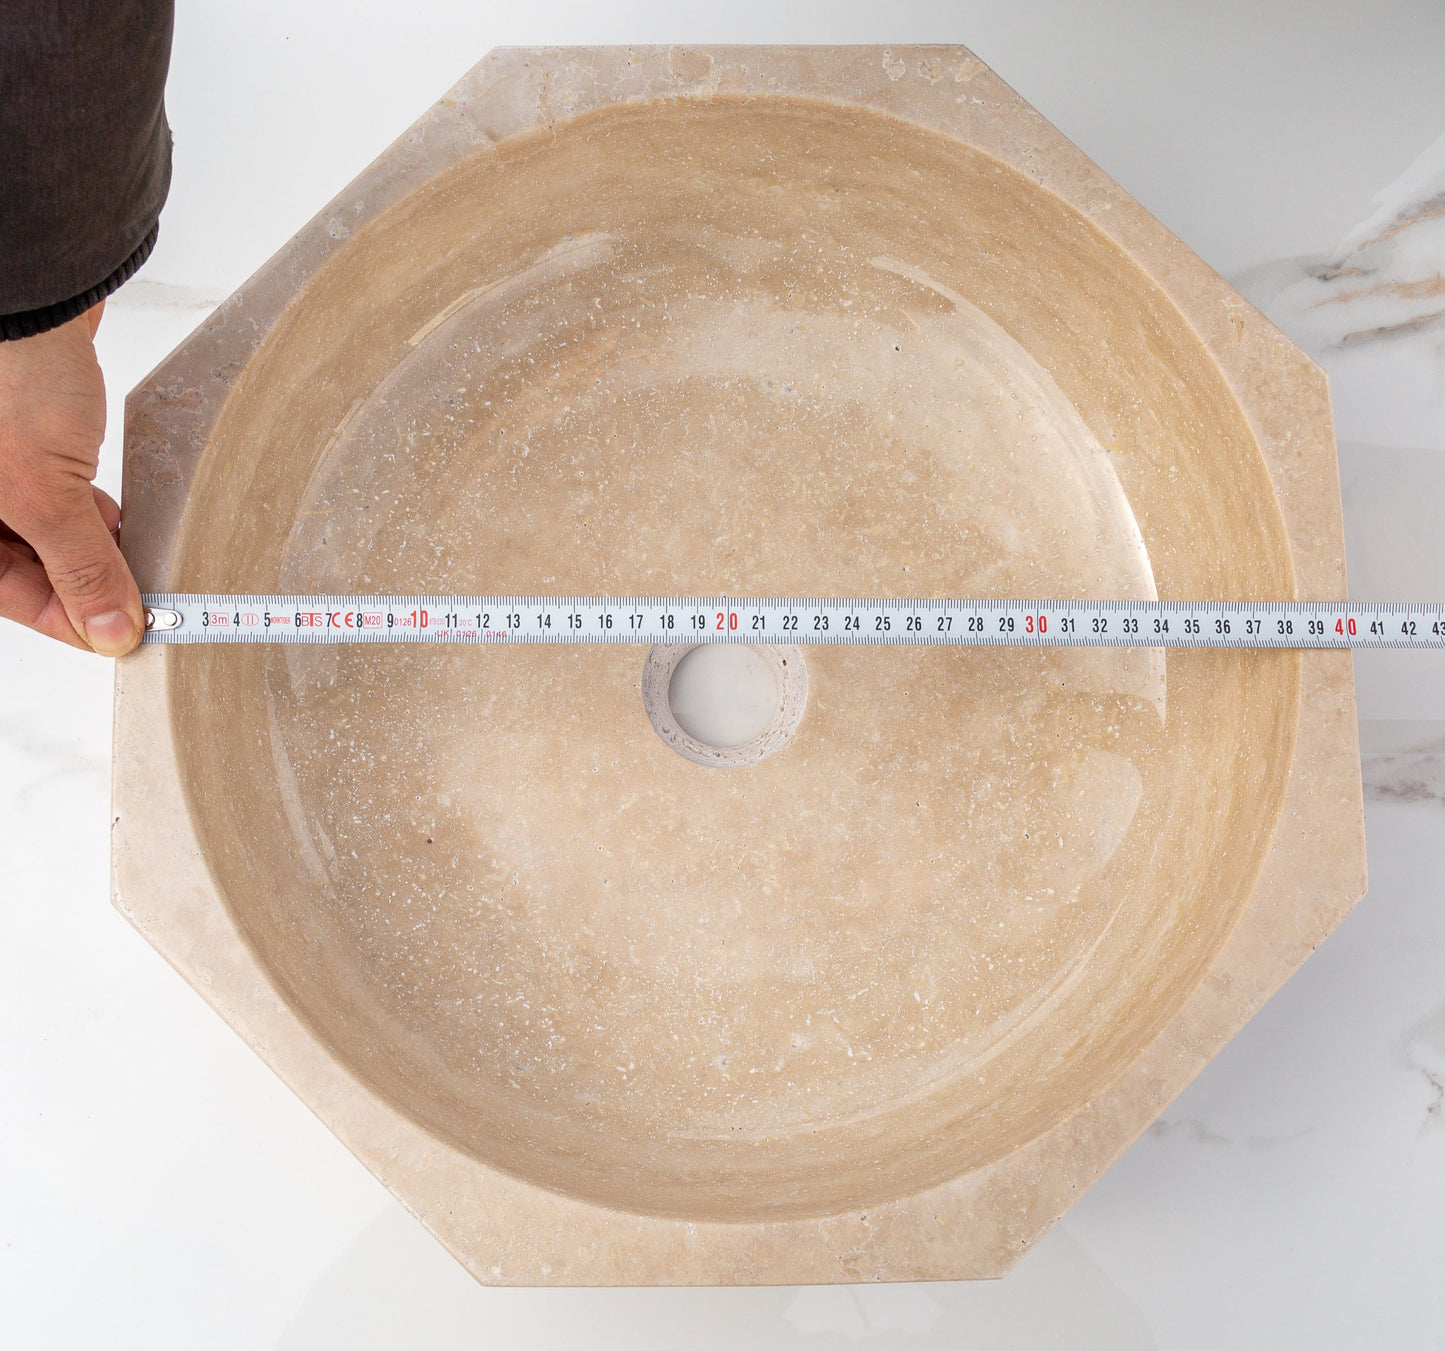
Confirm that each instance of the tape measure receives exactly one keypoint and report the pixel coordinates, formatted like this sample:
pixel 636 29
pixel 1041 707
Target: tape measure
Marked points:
pixel 204 618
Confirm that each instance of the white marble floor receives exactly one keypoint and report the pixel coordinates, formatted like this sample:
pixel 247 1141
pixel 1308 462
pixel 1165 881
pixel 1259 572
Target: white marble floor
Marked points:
pixel 159 1188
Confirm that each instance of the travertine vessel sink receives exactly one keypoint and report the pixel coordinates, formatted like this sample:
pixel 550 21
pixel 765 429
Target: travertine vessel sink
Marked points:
pixel 882 1002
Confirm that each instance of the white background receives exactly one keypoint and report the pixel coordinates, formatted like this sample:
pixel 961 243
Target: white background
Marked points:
pixel 159 1188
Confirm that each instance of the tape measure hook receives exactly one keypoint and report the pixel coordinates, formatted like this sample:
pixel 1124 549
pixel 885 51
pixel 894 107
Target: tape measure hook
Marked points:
pixel 161 619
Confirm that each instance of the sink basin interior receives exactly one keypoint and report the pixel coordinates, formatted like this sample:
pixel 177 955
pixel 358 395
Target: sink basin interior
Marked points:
pixel 759 347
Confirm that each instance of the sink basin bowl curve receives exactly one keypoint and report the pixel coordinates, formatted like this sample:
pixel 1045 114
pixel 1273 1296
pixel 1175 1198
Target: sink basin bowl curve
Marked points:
pixel 760 321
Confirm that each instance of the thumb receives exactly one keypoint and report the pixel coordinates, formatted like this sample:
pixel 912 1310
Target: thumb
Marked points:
pixel 86 569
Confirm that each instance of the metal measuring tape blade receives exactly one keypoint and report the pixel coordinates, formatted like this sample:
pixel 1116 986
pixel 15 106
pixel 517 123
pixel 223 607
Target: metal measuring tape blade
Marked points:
pixel 891 622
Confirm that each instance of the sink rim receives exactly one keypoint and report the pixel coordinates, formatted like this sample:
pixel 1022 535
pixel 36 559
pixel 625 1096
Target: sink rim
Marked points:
pixel 977 1224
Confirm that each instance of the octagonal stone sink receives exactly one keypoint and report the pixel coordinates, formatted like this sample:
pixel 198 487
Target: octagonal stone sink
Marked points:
pixel 883 1002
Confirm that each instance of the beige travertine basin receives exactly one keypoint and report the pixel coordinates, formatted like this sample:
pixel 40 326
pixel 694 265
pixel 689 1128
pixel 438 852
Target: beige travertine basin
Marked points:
pixel 756 321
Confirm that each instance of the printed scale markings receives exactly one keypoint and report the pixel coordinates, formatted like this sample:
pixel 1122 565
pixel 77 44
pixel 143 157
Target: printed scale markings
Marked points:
pixel 204 618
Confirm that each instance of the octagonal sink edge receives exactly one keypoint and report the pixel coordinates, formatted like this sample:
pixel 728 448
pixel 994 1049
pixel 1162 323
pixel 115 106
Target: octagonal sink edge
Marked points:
pixel 510 1217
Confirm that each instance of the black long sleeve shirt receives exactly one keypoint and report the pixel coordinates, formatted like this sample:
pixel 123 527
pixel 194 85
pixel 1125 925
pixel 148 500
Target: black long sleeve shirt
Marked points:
pixel 85 152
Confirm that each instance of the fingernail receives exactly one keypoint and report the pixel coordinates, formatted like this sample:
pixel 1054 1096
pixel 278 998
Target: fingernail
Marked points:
pixel 111 634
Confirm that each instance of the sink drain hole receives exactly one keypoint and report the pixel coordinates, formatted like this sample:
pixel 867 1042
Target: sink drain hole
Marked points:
pixel 724 705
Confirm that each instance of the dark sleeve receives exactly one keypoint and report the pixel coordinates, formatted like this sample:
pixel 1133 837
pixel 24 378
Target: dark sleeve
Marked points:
pixel 85 152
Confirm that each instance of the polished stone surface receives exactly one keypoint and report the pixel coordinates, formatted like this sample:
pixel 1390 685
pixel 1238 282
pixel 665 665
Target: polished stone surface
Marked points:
pixel 767 321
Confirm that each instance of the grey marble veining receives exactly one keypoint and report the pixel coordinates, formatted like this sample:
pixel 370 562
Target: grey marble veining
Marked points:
pixel 1372 312
pixel 1404 760
pixel 1383 282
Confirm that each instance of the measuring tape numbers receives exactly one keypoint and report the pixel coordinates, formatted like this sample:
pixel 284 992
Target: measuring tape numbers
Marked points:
pixel 205 618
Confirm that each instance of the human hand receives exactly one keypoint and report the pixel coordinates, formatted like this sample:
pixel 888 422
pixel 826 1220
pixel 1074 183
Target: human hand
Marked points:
pixel 61 572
